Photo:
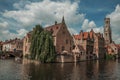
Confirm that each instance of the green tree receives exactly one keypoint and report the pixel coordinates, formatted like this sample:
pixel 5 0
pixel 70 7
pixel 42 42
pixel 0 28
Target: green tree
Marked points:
pixel 34 40
pixel 42 47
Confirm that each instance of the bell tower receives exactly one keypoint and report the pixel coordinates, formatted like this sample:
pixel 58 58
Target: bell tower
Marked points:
pixel 107 31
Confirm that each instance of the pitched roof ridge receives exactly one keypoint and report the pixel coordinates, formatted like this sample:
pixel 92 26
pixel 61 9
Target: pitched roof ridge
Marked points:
pixel 53 25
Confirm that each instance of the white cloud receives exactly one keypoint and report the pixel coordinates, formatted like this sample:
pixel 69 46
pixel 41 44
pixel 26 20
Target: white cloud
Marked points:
pixel 88 24
pixel 4 24
pixel 46 12
pixel 6 34
pixel 72 31
pixel 22 32
pixel 115 23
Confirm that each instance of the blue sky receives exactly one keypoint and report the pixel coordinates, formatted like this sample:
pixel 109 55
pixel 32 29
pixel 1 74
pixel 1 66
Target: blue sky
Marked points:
pixel 17 17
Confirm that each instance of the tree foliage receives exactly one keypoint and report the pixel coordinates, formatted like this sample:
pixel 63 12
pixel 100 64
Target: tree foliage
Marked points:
pixel 42 47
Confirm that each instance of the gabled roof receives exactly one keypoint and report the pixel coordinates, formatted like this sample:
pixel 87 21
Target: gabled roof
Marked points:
pixel 86 35
pixel 54 28
pixel 77 36
pixel 12 41
pixel 83 35
pixel 29 34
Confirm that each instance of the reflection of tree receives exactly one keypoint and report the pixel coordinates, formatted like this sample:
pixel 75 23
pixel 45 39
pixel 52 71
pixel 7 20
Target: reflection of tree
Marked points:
pixel 48 71
pixel 106 70
pixel 92 70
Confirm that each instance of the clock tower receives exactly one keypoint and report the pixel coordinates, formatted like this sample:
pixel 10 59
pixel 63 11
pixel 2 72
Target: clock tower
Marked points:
pixel 107 31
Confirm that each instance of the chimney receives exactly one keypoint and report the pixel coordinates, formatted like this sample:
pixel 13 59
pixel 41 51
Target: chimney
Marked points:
pixel 55 22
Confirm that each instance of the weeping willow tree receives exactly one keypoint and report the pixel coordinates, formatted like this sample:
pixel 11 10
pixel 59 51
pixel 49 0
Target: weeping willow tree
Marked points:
pixel 42 47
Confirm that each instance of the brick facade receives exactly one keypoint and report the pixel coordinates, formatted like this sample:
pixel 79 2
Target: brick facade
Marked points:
pixel 62 38
pixel 92 43
pixel 26 43
pixel 13 45
pixel 63 41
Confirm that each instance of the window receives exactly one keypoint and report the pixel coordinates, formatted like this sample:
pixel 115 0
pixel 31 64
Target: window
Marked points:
pixel 62 48
pixel 107 22
pixel 57 27
pixel 106 34
pixel 63 32
pixel 66 41
pixel 81 53
pixel 51 30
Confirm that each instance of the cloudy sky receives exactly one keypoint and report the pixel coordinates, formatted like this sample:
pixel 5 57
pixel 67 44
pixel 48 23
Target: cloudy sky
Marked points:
pixel 17 17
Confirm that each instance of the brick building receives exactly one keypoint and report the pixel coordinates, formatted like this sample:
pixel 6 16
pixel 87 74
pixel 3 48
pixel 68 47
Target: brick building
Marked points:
pixel 63 41
pixel 107 31
pixel 87 42
pixel 26 43
pixel 13 45
pixel 99 45
pixel 111 47
pixel 92 43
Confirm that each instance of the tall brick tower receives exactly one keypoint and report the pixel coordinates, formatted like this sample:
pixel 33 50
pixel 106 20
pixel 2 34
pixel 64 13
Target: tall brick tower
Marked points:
pixel 107 31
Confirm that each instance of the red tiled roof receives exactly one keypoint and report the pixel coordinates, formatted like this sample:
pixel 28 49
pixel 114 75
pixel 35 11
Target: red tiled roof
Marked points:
pixel 91 33
pixel 77 36
pixel 54 28
pixel 85 35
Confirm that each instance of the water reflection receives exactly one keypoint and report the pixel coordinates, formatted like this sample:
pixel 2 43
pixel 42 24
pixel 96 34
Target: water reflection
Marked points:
pixel 90 70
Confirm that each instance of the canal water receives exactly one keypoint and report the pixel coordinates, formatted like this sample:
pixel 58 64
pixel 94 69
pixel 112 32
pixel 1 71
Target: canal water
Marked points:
pixel 90 70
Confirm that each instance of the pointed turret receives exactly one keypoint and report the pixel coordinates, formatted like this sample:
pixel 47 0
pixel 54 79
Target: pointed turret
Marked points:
pixel 63 21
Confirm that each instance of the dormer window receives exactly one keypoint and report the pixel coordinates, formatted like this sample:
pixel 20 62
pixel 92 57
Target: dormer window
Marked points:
pixel 51 30
pixel 57 27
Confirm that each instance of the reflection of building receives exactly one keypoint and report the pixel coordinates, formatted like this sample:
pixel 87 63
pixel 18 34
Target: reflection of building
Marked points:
pixel 13 45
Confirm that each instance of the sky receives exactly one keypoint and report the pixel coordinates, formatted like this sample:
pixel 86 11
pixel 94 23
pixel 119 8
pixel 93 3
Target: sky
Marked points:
pixel 17 17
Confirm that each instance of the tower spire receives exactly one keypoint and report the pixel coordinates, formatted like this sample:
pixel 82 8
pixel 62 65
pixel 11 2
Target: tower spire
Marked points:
pixel 63 21
pixel 107 31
